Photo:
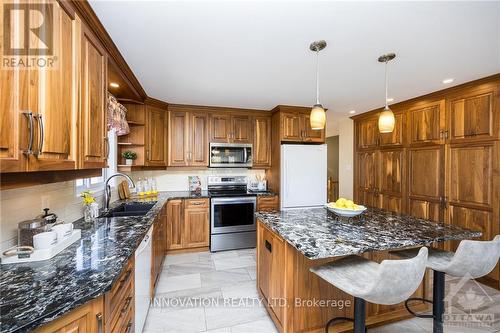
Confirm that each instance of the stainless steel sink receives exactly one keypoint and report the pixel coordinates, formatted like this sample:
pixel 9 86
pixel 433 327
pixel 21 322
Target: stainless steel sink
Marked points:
pixel 130 209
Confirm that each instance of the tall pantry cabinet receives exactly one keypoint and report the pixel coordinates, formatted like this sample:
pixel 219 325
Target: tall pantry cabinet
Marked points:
pixel 447 167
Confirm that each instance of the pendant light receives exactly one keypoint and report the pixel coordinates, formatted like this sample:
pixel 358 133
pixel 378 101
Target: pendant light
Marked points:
pixel 318 114
pixel 386 119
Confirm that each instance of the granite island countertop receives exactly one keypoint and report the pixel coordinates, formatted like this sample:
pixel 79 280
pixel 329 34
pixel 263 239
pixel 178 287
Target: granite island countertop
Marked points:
pixel 33 294
pixel 318 233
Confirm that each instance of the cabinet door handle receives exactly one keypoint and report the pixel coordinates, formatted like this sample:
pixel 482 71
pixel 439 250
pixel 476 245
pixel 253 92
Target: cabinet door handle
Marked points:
pixel 29 115
pixel 125 307
pixel 41 134
pixel 269 247
pixel 129 327
pixel 99 322
pixel 147 154
pixel 108 148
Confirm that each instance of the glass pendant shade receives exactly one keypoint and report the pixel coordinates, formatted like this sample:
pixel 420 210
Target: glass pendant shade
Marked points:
pixel 386 121
pixel 317 117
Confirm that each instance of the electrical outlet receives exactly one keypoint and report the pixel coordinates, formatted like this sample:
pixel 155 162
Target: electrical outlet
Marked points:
pixel 45 201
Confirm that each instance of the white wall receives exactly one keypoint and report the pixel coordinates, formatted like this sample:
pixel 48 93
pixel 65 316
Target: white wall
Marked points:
pixel 346 144
pixel 343 126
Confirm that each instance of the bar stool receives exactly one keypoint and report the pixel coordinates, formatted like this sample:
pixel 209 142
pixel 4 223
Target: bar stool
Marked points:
pixel 387 283
pixel 472 259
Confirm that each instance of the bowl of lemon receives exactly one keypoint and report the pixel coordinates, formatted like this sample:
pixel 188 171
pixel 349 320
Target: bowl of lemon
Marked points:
pixel 346 208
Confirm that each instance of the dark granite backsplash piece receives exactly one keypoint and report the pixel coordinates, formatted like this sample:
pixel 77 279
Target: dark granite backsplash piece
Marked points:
pixel 32 294
pixel 318 233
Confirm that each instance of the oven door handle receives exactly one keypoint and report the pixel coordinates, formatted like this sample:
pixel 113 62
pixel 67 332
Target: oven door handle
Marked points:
pixel 234 200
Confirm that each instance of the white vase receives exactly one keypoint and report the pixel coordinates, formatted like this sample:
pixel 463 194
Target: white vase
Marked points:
pixel 129 161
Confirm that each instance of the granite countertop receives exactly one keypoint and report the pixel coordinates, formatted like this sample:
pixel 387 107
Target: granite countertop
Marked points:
pixel 318 233
pixel 36 293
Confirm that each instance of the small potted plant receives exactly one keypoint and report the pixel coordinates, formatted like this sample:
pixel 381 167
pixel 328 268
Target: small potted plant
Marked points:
pixel 129 157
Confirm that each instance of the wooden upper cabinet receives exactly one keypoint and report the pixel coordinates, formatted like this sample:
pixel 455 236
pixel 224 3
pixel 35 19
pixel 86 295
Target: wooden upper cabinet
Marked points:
pixel 156 140
pixel 198 145
pixel 221 128
pixel 188 137
pixel 395 138
pixel 308 134
pixel 295 126
pixel 92 144
pixel 472 116
pixel 426 123
pixel 53 98
pixel 14 124
pixel 291 127
pixel 426 182
pixel 178 143
pixel 262 142
pixel 367 133
pixel 242 128
pixel 231 127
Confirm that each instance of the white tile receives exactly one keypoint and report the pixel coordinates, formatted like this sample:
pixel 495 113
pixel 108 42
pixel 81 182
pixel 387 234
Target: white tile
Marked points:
pixel 224 316
pixel 233 262
pixel 188 321
pixel 189 268
pixel 225 254
pixel 264 325
pixel 247 289
pixel 224 278
pixel 188 298
pixel 219 330
pixel 180 282
pixel 182 258
pixel 252 271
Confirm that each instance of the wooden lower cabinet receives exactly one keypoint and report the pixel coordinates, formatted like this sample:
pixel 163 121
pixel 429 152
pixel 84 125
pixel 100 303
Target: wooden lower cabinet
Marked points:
pixel 188 224
pixel 119 302
pixel 289 289
pixel 268 203
pixel 159 248
pixel 88 318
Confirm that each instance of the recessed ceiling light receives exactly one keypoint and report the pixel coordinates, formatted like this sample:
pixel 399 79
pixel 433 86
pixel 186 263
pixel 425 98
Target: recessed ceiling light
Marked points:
pixel 114 85
pixel 352 111
pixel 446 81
pixel 390 99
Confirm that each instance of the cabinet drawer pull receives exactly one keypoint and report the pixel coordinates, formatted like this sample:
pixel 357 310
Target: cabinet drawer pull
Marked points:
pixel 29 115
pixel 269 247
pixel 39 117
pixel 125 307
pixel 197 203
pixel 125 278
pixel 129 327
pixel 99 322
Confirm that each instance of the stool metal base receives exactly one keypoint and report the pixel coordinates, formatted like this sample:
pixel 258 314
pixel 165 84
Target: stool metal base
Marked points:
pixel 359 317
pixel 437 302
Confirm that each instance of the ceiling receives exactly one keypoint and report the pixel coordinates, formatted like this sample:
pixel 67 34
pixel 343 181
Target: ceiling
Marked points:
pixel 255 54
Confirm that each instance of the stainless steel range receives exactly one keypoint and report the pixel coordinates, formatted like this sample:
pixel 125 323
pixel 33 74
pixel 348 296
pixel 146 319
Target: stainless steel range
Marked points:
pixel 232 218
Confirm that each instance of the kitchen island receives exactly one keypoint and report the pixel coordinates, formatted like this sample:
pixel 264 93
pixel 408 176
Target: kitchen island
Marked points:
pixel 290 242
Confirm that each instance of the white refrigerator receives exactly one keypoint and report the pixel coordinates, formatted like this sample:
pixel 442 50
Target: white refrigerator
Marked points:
pixel 303 176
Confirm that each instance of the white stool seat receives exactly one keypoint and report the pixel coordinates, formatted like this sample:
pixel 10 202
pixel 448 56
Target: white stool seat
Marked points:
pixel 472 258
pixel 389 282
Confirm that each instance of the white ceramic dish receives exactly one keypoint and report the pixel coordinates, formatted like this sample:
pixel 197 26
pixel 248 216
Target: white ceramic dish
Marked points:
pixel 346 212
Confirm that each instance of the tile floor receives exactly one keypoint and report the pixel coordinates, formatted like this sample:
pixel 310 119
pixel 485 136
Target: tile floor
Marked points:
pixel 216 293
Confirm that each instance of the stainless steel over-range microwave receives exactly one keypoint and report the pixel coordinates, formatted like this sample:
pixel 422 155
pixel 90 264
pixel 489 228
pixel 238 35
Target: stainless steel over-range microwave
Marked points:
pixel 230 155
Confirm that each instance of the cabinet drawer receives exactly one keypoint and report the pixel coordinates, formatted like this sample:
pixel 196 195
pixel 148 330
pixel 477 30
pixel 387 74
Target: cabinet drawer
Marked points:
pixel 196 203
pixel 120 299
pixel 123 314
pixel 267 203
